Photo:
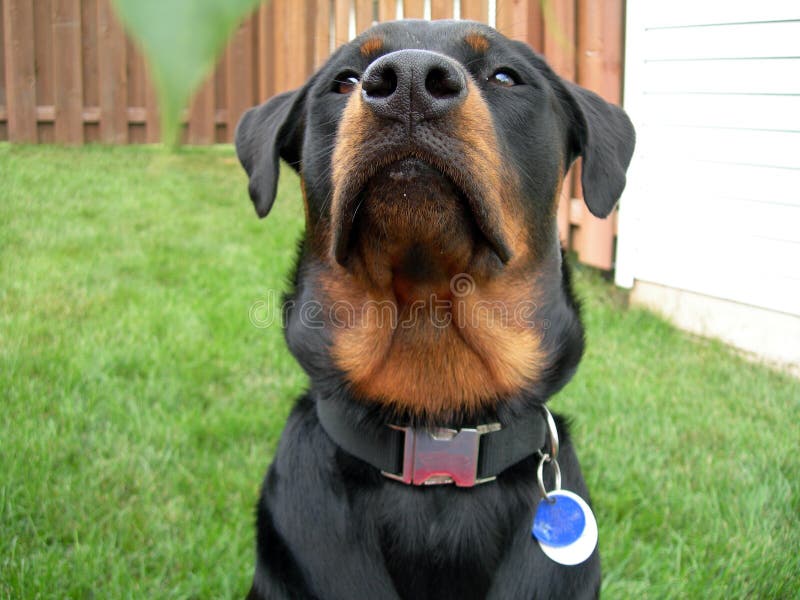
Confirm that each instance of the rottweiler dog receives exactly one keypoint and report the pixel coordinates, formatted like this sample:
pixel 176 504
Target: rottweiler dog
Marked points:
pixel 432 310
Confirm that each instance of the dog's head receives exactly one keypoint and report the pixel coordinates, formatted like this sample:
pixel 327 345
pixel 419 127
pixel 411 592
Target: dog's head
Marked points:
pixel 429 152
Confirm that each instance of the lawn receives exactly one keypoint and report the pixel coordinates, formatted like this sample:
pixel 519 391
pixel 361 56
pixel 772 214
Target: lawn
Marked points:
pixel 141 404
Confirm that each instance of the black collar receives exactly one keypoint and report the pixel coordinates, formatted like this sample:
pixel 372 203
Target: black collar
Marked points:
pixel 466 457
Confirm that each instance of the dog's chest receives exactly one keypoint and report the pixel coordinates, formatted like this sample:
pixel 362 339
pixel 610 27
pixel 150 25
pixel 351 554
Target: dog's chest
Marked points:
pixel 444 542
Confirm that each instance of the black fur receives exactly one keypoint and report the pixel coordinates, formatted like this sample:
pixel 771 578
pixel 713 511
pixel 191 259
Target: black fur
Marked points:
pixel 331 527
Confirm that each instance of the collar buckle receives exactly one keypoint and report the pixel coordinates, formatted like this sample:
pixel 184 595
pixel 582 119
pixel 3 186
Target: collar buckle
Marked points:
pixel 442 456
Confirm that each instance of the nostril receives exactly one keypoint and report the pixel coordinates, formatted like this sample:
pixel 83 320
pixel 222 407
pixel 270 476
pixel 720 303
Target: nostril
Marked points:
pixel 442 84
pixel 380 84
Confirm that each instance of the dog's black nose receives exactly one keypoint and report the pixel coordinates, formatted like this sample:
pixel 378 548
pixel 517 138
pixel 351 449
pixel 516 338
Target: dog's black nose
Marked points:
pixel 413 84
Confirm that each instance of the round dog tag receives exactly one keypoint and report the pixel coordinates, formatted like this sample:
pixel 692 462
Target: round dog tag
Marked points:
pixel 559 520
pixel 565 529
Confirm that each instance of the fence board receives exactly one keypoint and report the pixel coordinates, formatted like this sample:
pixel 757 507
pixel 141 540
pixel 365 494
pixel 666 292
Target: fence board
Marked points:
pixel 43 57
pixel 322 33
pixel 341 20
pixel 364 15
pixel 602 237
pixel 136 92
pixel 413 9
pixel 20 71
pixel 522 20
pixel 281 49
pixel 263 52
pixel 595 241
pixel 135 75
pixel 506 17
pixel 239 83
pixel 558 44
pixel 387 9
pixel 91 84
pixel 535 24
pixel 441 9
pixel 265 69
pixel 202 117
pixel 221 95
pixel 113 99
pixel 475 10
pixel 152 122
pixel 559 41
pixel 4 117
pixel 43 51
pixel 67 70
pixel 613 14
pixel 301 46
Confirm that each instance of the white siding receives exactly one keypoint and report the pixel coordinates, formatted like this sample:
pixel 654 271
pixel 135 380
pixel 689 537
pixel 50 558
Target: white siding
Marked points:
pixel 713 203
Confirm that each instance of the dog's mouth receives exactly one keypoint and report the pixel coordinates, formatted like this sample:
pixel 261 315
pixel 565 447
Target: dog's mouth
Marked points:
pixel 417 213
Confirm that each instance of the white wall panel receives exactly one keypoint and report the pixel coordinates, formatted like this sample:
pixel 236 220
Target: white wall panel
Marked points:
pixel 713 202
pixel 768 39
pixel 742 76
pixel 682 13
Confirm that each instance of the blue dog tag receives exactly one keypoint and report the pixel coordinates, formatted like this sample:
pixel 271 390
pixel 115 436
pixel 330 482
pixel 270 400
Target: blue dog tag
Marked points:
pixel 565 529
pixel 559 521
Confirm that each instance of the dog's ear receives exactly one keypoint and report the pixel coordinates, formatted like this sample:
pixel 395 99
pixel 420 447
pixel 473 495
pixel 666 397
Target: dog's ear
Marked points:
pixel 604 136
pixel 266 134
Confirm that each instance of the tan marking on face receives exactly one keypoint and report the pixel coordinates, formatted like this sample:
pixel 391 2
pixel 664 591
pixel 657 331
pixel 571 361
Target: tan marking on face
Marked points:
pixel 477 41
pixel 434 358
pixel 500 187
pixel 351 140
pixel 418 361
pixel 370 46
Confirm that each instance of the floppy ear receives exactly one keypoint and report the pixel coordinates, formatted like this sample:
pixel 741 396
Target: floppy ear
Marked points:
pixel 604 136
pixel 265 134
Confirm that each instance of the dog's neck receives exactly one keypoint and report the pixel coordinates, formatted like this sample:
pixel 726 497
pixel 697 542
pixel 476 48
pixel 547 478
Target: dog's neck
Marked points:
pixel 561 347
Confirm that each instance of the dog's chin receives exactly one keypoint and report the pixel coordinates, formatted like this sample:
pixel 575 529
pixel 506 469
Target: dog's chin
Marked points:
pixel 413 229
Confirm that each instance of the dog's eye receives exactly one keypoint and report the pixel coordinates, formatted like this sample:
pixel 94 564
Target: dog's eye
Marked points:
pixel 504 77
pixel 345 82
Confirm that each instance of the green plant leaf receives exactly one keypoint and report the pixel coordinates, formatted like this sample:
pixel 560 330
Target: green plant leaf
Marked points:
pixel 181 40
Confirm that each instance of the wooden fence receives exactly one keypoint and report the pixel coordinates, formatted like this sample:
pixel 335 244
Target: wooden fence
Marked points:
pixel 69 74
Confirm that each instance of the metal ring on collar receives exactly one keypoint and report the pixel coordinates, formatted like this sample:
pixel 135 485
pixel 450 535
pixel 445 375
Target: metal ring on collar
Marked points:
pixel 540 475
pixel 552 432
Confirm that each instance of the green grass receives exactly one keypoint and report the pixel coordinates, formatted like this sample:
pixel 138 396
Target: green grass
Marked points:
pixel 140 405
